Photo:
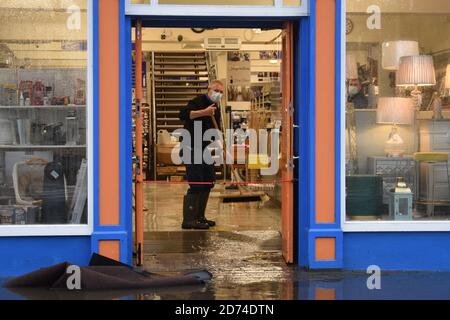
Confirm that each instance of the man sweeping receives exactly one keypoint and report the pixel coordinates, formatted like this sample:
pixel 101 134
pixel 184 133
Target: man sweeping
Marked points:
pixel 201 176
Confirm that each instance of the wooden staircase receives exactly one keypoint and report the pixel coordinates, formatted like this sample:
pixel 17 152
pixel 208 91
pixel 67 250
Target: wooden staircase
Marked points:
pixel 177 78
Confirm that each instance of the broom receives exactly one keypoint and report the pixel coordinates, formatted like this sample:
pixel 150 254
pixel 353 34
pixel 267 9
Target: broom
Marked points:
pixel 242 195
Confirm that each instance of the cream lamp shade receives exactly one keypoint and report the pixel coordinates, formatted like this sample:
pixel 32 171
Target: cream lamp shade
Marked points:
pixel 416 71
pixel 392 51
pixel 351 67
pixel 393 110
pixel 447 77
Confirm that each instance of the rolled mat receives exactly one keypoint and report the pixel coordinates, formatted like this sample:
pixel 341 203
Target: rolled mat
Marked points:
pixel 105 274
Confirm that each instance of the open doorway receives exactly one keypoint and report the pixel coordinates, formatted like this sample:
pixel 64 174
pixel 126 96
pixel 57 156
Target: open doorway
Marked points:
pixel 252 192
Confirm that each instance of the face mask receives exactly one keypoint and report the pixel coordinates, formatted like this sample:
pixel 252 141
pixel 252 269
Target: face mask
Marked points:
pixel 216 96
pixel 352 90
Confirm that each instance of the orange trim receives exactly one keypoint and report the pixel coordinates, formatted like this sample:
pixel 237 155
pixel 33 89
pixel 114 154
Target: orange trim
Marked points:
pixel 325 106
pixel 287 188
pixel 325 294
pixel 110 249
pixel 108 11
pixel 325 249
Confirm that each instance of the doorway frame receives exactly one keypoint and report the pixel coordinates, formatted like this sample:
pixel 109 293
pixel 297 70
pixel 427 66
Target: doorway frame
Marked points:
pixel 303 77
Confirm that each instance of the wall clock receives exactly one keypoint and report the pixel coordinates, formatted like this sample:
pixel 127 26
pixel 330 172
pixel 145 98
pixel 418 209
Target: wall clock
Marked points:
pixel 348 26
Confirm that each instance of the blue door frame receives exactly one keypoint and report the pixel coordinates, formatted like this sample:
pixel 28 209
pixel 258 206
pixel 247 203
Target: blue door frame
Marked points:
pixel 304 75
pixel 354 250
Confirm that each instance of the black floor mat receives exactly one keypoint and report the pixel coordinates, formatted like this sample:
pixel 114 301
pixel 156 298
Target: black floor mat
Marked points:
pixel 105 274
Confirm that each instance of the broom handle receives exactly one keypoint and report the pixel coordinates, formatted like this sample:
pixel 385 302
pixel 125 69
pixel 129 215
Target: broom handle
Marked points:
pixel 224 151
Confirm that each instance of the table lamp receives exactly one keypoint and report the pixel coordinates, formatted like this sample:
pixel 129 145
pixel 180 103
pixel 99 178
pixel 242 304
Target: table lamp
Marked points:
pixel 395 111
pixel 416 71
pixel 392 51
pixel 351 67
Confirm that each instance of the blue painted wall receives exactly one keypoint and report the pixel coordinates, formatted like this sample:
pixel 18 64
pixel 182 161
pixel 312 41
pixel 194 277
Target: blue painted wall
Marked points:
pixel 397 250
pixel 24 254
pixel 304 117
pixel 126 142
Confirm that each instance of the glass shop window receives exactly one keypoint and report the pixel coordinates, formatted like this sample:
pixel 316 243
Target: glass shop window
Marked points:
pixel 43 93
pixel 397 132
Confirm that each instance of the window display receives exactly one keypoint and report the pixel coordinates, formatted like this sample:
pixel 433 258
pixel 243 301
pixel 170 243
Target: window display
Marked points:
pixel 397 110
pixel 43 118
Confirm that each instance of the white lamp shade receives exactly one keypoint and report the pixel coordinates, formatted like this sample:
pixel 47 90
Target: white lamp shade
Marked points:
pixel 416 71
pixel 351 67
pixel 393 110
pixel 392 51
pixel 447 77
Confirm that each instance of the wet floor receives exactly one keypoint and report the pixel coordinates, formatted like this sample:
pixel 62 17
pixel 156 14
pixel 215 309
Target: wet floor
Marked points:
pixel 244 255
pixel 164 207
pixel 248 265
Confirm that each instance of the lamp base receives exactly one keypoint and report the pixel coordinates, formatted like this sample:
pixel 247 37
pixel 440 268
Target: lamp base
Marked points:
pixel 416 95
pixel 394 146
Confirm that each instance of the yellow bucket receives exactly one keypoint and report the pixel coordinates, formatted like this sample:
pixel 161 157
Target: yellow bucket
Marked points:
pixel 258 161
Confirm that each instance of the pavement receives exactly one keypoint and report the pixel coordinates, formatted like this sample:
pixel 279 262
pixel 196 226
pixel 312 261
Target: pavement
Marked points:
pixel 249 265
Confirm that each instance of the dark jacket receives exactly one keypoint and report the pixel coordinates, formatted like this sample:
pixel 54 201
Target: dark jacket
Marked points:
pixel 199 103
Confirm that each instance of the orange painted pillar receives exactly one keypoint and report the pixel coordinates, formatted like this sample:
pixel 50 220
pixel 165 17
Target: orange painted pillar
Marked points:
pixel 325 235
pixel 108 122
pixel 325 106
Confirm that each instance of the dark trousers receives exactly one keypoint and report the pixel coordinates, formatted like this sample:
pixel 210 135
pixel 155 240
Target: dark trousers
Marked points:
pixel 203 173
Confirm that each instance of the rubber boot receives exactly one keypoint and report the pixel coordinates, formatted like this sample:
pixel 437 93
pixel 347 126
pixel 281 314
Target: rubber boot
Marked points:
pixel 202 203
pixel 190 213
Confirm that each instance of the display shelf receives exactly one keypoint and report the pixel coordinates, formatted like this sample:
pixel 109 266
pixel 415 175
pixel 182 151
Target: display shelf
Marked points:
pixel 145 109
pixel 40 147
pixel 68 107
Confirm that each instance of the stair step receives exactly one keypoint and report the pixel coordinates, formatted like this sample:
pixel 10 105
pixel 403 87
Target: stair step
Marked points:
pixel 168 119
pixel 187 74
pixel 182 80
pixel 169 126
pixel 180 69
pixel 182 87
pixel 179 63
pixel 171 105
pixel 171 99
pixel 184 57
pixel 168 93
pixel 167 112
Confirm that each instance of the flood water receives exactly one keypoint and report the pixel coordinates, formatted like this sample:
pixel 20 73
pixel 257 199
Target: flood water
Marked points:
pixel 249 265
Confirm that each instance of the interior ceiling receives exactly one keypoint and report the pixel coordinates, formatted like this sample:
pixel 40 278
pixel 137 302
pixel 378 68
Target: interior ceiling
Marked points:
pixel 246 35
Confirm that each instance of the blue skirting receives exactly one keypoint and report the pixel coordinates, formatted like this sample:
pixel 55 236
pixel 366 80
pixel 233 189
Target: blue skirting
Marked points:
pixel 24 254
pixel 413 251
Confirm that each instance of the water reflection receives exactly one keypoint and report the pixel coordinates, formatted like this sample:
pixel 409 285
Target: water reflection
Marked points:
pixel 303 286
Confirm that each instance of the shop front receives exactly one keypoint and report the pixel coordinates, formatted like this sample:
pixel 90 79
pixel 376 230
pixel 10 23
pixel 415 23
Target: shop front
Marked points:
pixel 364 175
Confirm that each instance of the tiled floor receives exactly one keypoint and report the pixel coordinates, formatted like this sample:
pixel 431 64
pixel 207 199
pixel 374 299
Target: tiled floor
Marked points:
pixel 165 207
